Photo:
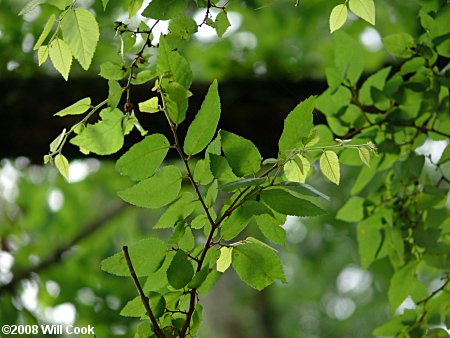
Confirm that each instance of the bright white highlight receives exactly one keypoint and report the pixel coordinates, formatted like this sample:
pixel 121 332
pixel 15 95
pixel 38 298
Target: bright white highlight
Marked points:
pixel 296 231
pixel 371 39
pixel 55 200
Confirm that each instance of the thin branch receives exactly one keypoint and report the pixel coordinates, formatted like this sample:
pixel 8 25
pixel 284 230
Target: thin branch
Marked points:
pixel 55 257
pixel 144 298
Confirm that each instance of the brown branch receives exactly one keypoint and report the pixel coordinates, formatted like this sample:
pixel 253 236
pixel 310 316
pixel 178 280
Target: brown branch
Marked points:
pixel 144 298
pixel 55 257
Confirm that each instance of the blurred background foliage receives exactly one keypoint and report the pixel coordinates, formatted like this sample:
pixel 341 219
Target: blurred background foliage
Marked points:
pixel 54 235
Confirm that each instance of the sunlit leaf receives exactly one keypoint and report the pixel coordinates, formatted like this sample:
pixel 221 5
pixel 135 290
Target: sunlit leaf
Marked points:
pixel 329 165
pixel 79 107
pixel 338 17
pixel 61 57
pixel 365 9
pixel 62 164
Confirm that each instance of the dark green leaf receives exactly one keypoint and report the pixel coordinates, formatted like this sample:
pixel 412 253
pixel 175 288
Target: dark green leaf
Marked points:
pixel 180 271
pixel 164 9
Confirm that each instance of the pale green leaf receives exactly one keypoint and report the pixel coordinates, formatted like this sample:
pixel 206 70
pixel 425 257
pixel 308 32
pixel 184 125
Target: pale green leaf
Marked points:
pixel 180 271
pixel 338 17
pixel 30 6
pixel 164 9
pixel 112 71
pixel 224 261
pixel 77 108
pixel 149 106
pixel 144 76
pixel 57 141
pixel 80 30
pixel 133 7
pixel 329 165
pixel 170 62
pixel 365 9
pixel 288 204
pixel 144 157
pixel 114 93
pixel 60 4
pixel 364 155
pixel 47 28
pixel 61 57
pixel 257 264
pixel 296 170
pixel 297 125
pixel 202 172
pixel 349 57
pixel 144 263
pixel 42 54
pixel 352 210
pixel 221 23
pixel 313 139
pixel 202 129
pixel 62 164
pixel 105 137
pixel 156 191
pixel 242 155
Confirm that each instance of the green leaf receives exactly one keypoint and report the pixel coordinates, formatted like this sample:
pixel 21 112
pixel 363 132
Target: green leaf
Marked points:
pixel 177 92
pixel 370 239
pixel 224 261
pixel 112 71
pixel 183 27
pixel 221 23
pixel 105 3
pixel 257 265
pixel 348 55
pixel 144 157
pixel 61 57
pixel 271 228
pixel 235 223
pixel 180 271
pixel 133 7
pixel 170 62
pixel 202 172
pixel 296 170
pixel 149 106
pixel 164 9
pixel 80 31
pixel 313 139
pixel 246 182
pixel 221 169
pixel 105 137
pixel 156 191
pixel 287 204
pixel 178 211
pixel 242 155
pixel 146 256
pixel 390 328
pixel 297 125
pixel 365 9
pixel 202 129
pixel 377 81
pixel 47 29
pixel 352 210
pixel 399 45
pixel 114 93
pixel 144 77
pixel 60 4
pixel 303 189
pixel 210 281
pixel 42 54
pixel 199 278
pixel 77 108
pixel 338 17
pixel 135 308
pixel 364 155
pixel 54 145
pixel 62 164
pixel 445 157
pixel 211 195
pixel 329 165
pixel 30 6
pixel 403 284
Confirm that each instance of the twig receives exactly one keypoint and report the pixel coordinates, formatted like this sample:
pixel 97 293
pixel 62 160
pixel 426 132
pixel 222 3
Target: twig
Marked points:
pixel 144 298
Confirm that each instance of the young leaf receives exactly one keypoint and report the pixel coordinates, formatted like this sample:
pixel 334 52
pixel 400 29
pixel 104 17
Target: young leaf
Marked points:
pixel 365 9
pixel 180 271
pixel 61 57
pixel 42 54
pixel 338 17
pixel 30 6
pixel 164 9
pixel 57 141
pixel 114 93
pixel 224 261
pixel 104 137
pixel 80 30
pixel 47 28
pixel 143 158
pixel 144 263
pixel 77 108
pixel 156 191
pixel 297 125
pixel 296 170
pixel 257 265
pixel 287 204
pixel 313 139
pixel 62 165
pixel 364 155
pixel 149 106
pixel 329 165
pixel 242 155
pixel 202 129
